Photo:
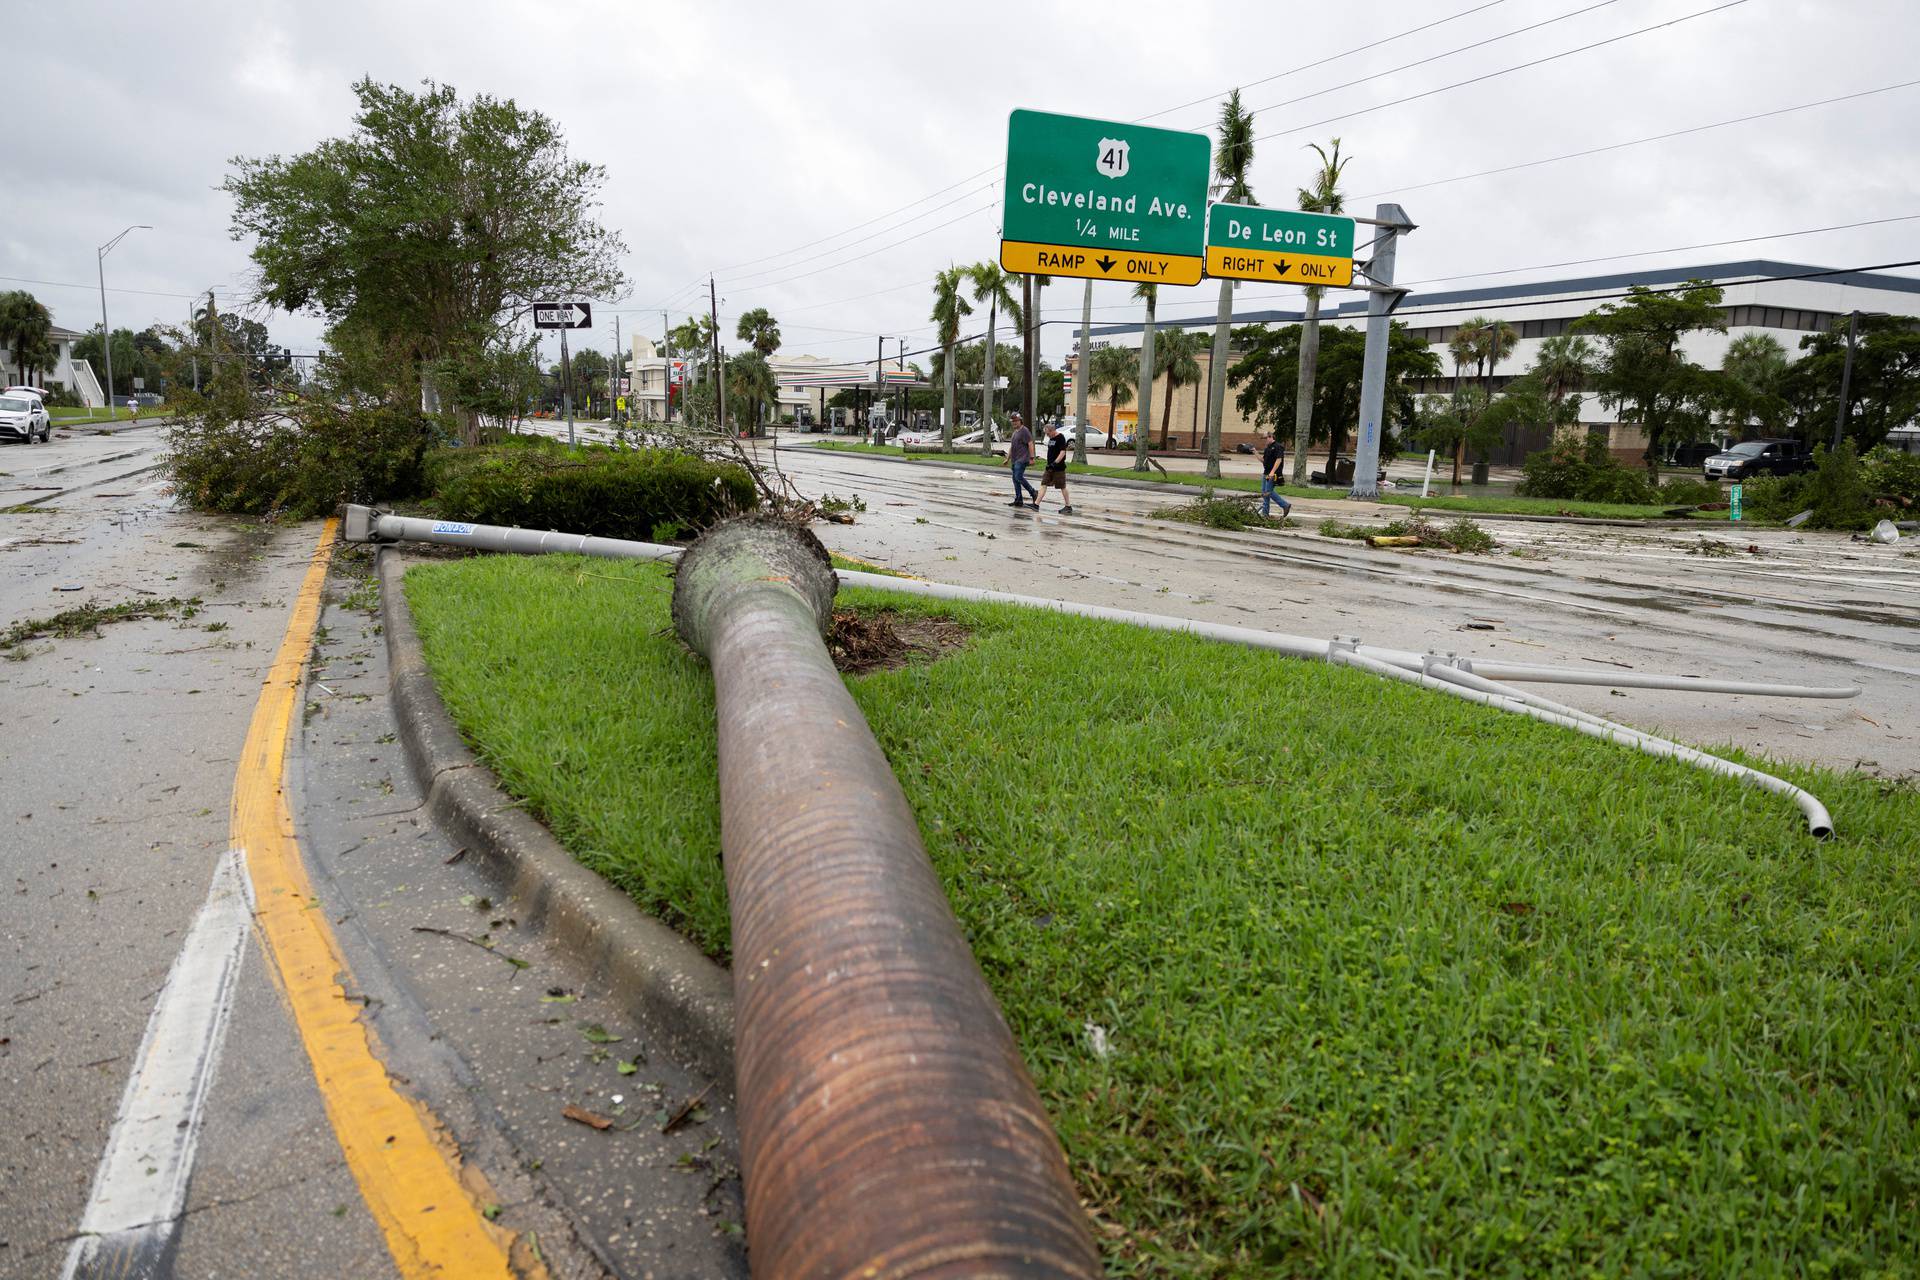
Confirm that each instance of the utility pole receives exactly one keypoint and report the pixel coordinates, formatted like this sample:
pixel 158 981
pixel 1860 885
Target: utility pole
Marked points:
pixel 719 383
pixel 613 380
pixel 1029 401
pixel 879 364
pixel 1082 373
pixel 1846 381
pixel 666 370
pixel 196 344
pixel 905 397
pixel 1393 223
pixel 566 386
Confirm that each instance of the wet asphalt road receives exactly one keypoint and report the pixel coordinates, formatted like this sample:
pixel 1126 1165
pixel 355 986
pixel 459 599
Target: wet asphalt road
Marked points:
pixel 1799 608
pixel 115 799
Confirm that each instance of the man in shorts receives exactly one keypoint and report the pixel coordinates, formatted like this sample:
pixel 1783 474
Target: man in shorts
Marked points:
pixel 1273 463
pixel 1055 476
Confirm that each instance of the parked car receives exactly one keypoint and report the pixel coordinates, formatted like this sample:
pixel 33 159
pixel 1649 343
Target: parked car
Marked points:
pixel 25 416
pixel 1758 457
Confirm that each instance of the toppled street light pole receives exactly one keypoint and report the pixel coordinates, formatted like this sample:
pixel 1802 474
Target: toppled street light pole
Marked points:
pixel 887 1124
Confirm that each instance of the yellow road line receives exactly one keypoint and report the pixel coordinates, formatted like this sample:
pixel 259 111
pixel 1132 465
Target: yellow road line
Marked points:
pixel 410 1178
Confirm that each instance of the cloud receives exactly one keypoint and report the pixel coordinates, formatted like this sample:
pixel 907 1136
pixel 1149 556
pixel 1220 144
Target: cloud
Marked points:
pixel 736 132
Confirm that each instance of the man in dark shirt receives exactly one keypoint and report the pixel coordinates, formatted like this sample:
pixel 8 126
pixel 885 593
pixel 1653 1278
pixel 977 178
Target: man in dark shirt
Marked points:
pixel 1020 453
pixel 1273 467
pixel 1055 476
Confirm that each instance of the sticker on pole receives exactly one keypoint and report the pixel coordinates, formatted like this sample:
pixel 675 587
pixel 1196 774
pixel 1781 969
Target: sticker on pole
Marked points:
pixel 453 526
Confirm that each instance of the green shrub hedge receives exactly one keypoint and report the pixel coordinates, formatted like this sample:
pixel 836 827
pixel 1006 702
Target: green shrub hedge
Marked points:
pixel 608 493
pixel 1584 470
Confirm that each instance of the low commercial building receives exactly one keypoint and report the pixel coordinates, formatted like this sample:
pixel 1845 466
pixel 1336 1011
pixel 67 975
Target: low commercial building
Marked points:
pixel 650 370
pixel 1783 299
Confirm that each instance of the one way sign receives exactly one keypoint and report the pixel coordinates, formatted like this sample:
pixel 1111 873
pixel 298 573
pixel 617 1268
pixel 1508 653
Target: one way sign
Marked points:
pixel 562 315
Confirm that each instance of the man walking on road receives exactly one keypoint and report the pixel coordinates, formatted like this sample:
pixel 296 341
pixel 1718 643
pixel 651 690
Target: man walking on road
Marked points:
pixel 1020 453
pixel 1273 463
pixel 1055 476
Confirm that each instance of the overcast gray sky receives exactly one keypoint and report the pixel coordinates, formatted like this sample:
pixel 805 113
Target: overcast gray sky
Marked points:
pixel 753 140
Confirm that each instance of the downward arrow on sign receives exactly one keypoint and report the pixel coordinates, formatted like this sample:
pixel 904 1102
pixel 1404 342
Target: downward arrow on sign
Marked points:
pixel 1105 264
pixel 1281 268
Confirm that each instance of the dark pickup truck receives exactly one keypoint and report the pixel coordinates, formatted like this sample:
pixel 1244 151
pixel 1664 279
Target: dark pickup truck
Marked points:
pixel 1756 458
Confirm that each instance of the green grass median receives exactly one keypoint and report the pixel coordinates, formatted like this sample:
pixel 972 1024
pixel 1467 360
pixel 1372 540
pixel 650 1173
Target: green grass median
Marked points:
pixel 1251 484
pixel 1390 984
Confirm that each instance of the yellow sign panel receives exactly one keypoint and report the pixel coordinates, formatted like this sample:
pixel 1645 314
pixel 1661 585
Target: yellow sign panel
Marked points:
pixel 1028 259
pixel 1283 268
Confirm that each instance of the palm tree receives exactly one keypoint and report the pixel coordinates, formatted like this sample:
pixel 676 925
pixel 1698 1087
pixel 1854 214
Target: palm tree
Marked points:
pixel 949 306
pixel 1174 357
pixel 1324 196
pixel 1144 426
pixel 1561 367
pixel 991 286
pixel 1462 346
pixel 759 330
pixel 1230 161
pixel 26 330
pixel 1111 370
pixel 1754 364
pixel 750 381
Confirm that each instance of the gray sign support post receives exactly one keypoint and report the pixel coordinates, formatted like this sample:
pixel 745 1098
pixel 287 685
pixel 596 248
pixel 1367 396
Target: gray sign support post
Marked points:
pixel 1393 223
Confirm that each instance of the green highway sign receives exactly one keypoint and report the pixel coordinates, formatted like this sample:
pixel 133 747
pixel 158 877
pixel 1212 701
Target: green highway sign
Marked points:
pixel 1247 242
pixel 1103 200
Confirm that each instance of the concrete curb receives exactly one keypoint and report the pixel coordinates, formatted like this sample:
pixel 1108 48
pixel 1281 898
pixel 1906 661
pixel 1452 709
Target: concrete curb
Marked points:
pixel 664 979
pixel 1183 489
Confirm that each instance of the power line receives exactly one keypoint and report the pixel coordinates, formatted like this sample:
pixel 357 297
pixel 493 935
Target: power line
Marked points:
pixel 1492 75
pixel 835 266
pixel 869 222
pixel 149 293
pixel 1679 248
pixel 1408 66
pixel 737 281
pixel 1308 66
pixel 1635 142
pixel 996 168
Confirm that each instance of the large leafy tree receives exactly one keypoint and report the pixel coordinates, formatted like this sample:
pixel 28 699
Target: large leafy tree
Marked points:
pixel 1232 156
pixel 433 225
pixel 950 306
pixel 1267 374
pixel 26 331
pixel 992 288
pixel 1173 356
pixel 1643 372
pixel 759 330
pixel 1322 195
pixel 1883 393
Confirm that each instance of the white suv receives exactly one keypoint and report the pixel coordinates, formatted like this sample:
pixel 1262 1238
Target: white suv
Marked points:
pixel 24 414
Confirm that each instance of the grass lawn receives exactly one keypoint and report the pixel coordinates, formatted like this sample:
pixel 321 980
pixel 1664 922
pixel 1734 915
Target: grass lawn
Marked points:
pixel 1251 484
pixel 1395 985
pixel 79 417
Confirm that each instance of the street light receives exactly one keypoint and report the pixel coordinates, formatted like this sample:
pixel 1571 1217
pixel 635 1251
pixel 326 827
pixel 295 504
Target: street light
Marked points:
pixel 106 334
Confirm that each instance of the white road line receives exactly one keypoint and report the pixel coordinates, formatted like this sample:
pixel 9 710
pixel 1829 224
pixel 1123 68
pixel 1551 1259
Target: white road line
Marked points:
pixel 132 1219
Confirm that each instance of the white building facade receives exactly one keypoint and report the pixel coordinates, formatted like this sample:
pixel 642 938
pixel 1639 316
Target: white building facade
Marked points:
pixel 74 375
pixel 650 370
pixel 1784 300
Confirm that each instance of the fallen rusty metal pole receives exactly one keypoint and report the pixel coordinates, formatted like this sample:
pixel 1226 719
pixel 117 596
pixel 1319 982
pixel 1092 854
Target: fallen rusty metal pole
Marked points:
pixel 888 1127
